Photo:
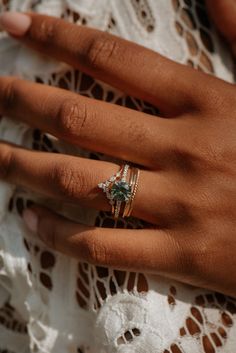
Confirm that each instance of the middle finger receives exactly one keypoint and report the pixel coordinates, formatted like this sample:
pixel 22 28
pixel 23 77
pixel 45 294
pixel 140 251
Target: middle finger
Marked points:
pixel 95 125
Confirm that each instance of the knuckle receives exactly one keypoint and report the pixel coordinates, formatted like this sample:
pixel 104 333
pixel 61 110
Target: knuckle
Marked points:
pixel 101 49
pixel 71 117
pixel 93 249
pixel 45 31
pixel 69 183
pixel 6 162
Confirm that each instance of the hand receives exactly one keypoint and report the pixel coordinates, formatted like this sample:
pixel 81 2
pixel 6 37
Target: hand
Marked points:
pixel 187 187
pixel 223 14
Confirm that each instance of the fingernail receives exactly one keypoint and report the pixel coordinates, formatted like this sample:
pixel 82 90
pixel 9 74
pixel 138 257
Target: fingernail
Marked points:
pixel 31 219
pixel 15 23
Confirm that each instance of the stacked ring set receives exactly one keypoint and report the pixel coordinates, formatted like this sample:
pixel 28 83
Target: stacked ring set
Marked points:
pixel 121 192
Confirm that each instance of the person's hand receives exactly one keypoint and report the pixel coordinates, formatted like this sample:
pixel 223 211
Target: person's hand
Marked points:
pixel 187 187
pixel 223 13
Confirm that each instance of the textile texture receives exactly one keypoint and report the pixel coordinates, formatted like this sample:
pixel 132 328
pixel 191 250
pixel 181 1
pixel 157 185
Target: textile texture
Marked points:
pixel 52 303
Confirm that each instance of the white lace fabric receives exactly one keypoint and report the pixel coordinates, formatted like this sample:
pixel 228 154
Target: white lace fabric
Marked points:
pixel 52 303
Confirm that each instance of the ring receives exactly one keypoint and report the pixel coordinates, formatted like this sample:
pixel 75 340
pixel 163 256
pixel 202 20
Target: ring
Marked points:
pixel 118 190
pixel 134 178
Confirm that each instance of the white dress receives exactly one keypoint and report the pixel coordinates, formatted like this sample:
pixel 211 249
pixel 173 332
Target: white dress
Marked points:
pixel 51 303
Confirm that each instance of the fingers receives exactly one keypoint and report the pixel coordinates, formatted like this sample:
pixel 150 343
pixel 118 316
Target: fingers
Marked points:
pixel 73 179
pixel 132 68
pixel 59 176
pixel 147 250
pixel 91 124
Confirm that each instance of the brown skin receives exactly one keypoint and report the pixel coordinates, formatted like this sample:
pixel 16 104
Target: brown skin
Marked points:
pixel 187 186
pixel 223 13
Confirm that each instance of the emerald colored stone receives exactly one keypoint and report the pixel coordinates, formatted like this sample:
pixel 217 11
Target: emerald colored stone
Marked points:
pixel 120 191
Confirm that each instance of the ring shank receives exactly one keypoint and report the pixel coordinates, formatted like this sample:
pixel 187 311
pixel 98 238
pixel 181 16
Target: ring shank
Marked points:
pixel 134 178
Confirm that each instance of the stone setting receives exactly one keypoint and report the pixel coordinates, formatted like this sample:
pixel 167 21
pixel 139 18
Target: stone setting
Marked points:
pixel 117 190
pixel 120 191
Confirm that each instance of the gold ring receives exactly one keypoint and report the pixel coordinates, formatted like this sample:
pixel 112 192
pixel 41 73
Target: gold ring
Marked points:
pixel 134 179
pixel 118 190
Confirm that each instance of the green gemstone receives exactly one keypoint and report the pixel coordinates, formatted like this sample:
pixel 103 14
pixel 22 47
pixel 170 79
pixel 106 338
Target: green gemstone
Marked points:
pixel 120 191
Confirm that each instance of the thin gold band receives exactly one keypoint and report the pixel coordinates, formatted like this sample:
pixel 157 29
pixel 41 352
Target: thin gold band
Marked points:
pixel 132 183
pixel 134 178
pixel 134 192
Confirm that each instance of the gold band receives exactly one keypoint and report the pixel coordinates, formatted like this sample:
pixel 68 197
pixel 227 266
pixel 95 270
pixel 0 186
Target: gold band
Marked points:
pixel 134 178
pixel 116 207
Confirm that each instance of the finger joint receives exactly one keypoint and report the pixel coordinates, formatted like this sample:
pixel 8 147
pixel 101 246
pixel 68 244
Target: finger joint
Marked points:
pixel 71 118
pixel 102 49
pixel 95 250
pixel 70 184
pixel 45 31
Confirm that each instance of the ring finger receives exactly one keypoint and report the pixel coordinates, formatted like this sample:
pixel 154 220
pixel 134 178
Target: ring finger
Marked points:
pixel 129 135
pixel 75 179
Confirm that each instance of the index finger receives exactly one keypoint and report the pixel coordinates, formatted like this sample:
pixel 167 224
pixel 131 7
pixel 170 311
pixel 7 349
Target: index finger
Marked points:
pixel 126 65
